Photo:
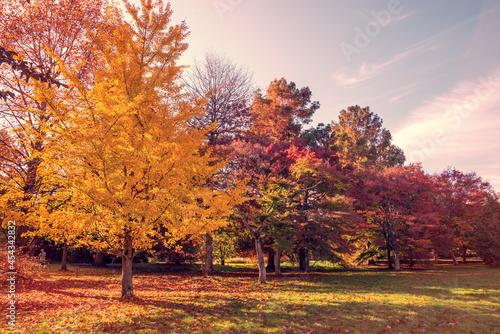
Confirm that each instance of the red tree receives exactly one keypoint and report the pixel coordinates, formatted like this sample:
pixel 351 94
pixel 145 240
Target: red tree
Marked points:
pixel 461 196
pixel 398 205
pixel 263 155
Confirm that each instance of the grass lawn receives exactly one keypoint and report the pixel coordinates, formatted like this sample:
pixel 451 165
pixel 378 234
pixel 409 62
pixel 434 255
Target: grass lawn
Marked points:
pixel 443 299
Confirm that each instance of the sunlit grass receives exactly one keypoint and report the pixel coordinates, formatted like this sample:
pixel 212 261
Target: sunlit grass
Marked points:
pixel 444 299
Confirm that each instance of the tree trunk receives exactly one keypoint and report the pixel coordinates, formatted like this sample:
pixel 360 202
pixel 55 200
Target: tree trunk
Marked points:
pixel 303 259
pixel 127 287
pixel 260 256
pixel 367 247
pixel 389 262
pixel 64 260
pixel 209 258
pixel 277 263
pixel 30 248
pixel 464 254
pixel 100 259
pixel 21 241
pixel 397 265
pixel 455 262
pixel 395 248
pixel 222 262
pixel 270 260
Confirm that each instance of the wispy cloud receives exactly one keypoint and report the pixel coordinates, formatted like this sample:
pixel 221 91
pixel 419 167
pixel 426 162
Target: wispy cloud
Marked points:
pixel 349 79
pixel 369 71
pixel 400 96
pixel 459 127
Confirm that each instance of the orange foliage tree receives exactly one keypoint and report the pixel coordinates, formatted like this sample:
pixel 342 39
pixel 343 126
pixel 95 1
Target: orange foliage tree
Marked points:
pixel 131 168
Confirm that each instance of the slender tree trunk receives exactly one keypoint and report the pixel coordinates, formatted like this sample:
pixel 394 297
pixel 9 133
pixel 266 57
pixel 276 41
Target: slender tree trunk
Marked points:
pixel 100 259
pixel 367 247
pixel 222 261
pixel 258 245
pixel 260 257
pixel 455 262
pixel 397 265
pixel 64 260
pixel 127 287
pixel 209 258
pixel 388 246
pixel 277 262
pixel 270 260
pixel 308 259
pixel 394 245
pixel 464 254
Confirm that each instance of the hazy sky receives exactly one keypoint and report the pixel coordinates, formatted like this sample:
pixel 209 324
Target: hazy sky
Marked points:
pixel 429 68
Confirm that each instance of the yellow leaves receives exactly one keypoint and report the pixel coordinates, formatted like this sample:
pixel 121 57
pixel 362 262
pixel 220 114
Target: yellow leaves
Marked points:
pixel 122 153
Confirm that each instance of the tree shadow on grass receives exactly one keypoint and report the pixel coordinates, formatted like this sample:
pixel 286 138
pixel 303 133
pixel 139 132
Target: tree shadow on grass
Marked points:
pixel 229 301
pixel 254 315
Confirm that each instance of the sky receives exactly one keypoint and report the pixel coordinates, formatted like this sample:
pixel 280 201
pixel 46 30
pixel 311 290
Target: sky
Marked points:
pixel 429 68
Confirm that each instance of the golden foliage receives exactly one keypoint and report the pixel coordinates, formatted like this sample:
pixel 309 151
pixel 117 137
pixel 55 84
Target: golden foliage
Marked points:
pixel 124 158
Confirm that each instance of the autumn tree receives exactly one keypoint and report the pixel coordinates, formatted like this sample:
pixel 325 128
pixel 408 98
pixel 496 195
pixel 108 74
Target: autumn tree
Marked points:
pixel 254 163
pixel 398 203
pixel 123 149
pixel 225 246
pixel 486 232
pixel 268 157
pixel 225 90
pixel 32 33
pixel 279 114
pixel 461 196
pixel 319 211
pixel 360 140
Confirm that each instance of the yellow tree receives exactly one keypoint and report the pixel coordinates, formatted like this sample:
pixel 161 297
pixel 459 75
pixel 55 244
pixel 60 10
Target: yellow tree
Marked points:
pixel 123 150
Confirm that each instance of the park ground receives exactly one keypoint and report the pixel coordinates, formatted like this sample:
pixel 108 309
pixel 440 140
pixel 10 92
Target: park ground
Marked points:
pixel 440 299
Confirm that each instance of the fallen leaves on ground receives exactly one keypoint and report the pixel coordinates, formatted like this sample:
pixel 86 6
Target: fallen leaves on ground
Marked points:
pixel 86 300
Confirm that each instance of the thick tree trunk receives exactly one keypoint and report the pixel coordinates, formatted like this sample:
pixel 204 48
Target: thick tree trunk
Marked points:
pixel 222 262
pixel 455 262
pixel 303 260
pixel 209 258
pixel 260 257
pixel 100 259
pixel 127 287
pixel 31 187
pixel 64 260
pixel 21 242
pixel 270 260
pixel 277 263
pixel 30 248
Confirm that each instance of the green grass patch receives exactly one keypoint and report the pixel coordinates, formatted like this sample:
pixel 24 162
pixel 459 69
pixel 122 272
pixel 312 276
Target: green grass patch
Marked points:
pixel 443 299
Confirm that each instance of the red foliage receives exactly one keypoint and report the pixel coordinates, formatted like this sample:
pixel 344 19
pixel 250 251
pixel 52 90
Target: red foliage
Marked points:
pixel 398 204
